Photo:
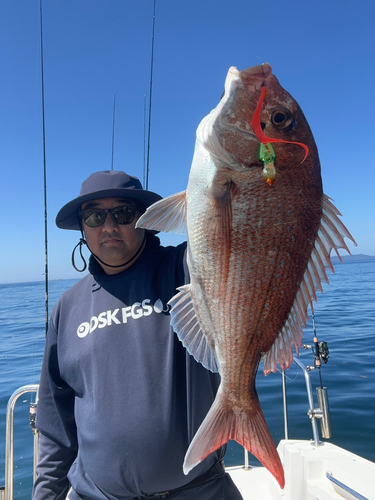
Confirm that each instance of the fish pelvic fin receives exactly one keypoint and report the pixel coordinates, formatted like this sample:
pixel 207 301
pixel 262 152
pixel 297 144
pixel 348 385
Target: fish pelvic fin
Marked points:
pixel 185 323
pixel 331 234
pixel 167 215
pixel 249 429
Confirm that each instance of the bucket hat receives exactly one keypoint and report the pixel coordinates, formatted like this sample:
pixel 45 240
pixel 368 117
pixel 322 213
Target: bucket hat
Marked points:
pixel 105 184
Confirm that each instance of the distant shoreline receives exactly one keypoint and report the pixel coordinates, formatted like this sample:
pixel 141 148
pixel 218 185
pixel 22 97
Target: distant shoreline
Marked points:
pixel 346 259
pixel 360 257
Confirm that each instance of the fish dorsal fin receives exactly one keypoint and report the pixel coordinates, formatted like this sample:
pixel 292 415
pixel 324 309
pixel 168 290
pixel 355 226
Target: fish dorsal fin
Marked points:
pixel 330 236
pixel 167 215
pixel 185 323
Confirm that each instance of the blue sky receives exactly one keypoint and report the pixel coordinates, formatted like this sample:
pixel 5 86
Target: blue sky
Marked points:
pixel 322 51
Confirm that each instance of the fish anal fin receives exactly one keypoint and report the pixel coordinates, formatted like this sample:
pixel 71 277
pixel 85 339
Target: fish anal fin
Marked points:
pixel 185 323
pixel 249 429
pixel 331 234
pixel 167 215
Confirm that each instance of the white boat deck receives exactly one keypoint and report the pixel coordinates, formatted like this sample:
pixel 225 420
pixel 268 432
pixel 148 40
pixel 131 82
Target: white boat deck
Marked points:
pixel 306 467
pixel 255 483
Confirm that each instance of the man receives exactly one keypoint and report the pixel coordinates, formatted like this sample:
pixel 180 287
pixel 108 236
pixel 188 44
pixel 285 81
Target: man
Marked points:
pixel 120 398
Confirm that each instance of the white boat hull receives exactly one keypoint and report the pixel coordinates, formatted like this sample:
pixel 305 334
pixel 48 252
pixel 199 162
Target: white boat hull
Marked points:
pixel 306 466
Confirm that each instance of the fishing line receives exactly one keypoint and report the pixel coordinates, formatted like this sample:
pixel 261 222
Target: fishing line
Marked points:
pixel 286 376
pixel 150 103
pixel 44 172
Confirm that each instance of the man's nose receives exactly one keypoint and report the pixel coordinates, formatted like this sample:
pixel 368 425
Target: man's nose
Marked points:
pixel 109 224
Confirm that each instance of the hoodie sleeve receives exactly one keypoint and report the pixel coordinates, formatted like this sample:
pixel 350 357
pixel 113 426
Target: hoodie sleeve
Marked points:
pixel 56 424
pixel 54 463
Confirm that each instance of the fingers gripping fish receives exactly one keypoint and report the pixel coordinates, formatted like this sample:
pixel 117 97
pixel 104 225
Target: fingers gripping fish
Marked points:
pixel 258 246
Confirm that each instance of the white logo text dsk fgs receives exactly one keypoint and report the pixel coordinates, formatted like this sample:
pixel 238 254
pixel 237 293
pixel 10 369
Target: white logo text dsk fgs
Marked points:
pixel 120 316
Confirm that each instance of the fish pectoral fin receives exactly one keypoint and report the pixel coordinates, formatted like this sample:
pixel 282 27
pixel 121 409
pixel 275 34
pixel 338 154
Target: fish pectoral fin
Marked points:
pixel 223 210
pixel 331 234
pixel 185 323
pixel 246 426
pixel 167 215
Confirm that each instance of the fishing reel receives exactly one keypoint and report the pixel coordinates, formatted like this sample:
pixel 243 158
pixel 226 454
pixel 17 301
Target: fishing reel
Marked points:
pixel 323 351
pixel 320 351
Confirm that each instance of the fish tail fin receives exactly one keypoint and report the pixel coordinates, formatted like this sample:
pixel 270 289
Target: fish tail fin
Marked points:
pixel 249 429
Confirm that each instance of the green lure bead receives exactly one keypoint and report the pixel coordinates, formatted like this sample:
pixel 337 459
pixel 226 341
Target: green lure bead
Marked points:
pixel 266 153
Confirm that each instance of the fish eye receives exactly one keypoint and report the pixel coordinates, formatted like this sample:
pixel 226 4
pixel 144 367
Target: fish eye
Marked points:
pixel 282 118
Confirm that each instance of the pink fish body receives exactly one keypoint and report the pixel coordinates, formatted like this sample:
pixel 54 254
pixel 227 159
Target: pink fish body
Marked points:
pixel 256 254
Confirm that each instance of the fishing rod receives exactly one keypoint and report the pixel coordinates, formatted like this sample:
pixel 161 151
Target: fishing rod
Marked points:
pixel 113 129
pixel 33 405
pixel 321 353
pixel 150 103
pixel 44 172
pixel 144 138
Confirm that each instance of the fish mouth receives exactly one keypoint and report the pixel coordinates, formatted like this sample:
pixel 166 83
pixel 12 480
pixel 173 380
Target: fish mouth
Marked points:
pixel 256 75
pixel 263 69
pixel 230 122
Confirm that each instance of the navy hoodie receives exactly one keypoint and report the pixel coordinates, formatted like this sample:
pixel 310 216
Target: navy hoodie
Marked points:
pixel 120 398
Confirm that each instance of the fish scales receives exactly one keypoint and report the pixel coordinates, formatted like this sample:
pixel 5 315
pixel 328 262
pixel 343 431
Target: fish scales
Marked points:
pixel 255 269
pixel 256 253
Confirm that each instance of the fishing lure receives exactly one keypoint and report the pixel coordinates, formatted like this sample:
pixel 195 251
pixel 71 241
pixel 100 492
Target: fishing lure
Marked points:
pixel 267 156
pixel 266 151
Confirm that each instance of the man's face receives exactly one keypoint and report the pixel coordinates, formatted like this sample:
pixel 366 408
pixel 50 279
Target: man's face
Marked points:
pixel 113 243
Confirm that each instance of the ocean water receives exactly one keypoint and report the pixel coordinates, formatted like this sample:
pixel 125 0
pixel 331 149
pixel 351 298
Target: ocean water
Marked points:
pixel 345 319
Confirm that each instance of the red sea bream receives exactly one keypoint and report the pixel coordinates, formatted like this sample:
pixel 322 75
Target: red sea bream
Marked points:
pixel 260 233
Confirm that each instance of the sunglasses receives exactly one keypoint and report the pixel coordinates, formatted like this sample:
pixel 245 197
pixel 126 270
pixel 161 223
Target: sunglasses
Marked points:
pixel 96 217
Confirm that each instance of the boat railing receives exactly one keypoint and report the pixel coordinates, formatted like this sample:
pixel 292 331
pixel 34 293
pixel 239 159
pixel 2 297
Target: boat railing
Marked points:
pixel 6 492
pixel 315 413
pixel 320 413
